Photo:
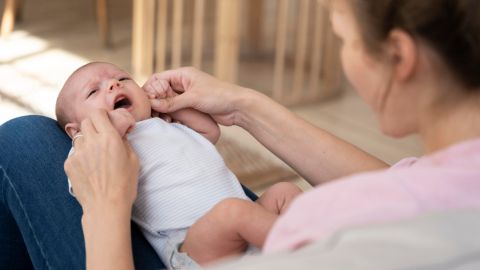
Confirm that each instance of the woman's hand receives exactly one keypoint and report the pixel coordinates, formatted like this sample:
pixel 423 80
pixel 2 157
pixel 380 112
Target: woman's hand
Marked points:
pixel 158 89
pixel 103 171
pixel 197 90
pixel 104 168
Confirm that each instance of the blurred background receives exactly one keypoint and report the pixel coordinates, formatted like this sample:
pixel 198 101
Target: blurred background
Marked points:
pixel 284 48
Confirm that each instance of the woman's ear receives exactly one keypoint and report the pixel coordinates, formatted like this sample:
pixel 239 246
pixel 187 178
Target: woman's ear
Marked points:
pixel 403 54
pixel 72 129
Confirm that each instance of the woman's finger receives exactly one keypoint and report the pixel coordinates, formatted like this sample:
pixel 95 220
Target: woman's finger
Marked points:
pixel 132 154
pixel 171 104
pixel 101 121
pixel 78 137
pixel 87 128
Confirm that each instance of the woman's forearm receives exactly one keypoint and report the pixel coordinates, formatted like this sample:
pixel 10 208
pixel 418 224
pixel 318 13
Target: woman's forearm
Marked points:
pixel 103 171
pixel 107 239
pixel 315 154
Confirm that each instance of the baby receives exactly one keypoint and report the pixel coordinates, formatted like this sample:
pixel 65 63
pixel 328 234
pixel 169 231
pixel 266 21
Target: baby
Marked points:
pixel 189 204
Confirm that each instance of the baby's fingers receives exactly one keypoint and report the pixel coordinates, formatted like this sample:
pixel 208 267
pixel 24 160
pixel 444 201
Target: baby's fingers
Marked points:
pixel 157 88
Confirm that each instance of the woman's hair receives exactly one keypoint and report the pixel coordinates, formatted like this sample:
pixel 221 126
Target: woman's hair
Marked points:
pixel 450 27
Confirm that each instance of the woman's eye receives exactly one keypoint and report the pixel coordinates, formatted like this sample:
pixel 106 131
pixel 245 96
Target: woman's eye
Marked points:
pixel 91 92
pixel 123 79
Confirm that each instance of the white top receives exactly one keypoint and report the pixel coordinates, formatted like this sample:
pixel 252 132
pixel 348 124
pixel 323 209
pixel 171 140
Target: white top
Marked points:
pixel 182 176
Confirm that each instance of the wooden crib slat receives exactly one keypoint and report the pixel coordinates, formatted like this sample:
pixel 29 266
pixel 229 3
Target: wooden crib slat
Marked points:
pixel 161 36
pixel 177 33
pixel 281 47
pixel 300 50
pixel 255 24
pixel 331 64
pixel 142 45
pixel 8 19
pixel 317 48
pixel 103 23
pixel 227 39
pixel 198 32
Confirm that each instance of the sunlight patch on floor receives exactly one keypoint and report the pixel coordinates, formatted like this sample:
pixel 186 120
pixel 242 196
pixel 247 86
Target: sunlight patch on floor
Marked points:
pixel 20 44
pixel 31 74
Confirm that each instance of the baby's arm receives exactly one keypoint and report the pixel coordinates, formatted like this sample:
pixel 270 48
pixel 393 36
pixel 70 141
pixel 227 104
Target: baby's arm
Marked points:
pixel 122 120
pixel 198 121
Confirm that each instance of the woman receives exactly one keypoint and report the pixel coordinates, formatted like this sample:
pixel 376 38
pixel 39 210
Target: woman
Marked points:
pixel 414 62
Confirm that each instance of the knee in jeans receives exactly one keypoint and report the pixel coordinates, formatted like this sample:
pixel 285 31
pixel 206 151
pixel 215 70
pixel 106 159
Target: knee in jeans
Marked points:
pixel 29 120
pixel 29 126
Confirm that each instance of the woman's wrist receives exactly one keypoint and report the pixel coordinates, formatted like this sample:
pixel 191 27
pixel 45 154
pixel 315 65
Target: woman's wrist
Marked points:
pixel 100 220
pixel 113 212
pixel 245 105
pixel 108 238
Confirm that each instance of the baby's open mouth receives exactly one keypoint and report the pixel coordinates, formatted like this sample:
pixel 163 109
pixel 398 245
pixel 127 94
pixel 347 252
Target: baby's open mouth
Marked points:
pixel 122 102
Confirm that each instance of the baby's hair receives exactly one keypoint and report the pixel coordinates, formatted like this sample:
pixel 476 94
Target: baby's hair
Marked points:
pixel 61 112
pixel 450 27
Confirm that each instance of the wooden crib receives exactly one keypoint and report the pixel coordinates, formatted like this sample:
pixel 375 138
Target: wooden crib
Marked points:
pixel 284 48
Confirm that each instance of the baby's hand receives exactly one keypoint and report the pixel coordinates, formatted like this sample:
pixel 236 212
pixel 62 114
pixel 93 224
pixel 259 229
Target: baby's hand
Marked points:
pixel 122 120
pixel 157 88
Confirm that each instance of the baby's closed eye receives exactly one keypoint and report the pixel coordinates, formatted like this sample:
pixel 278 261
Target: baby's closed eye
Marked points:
pixel 91 92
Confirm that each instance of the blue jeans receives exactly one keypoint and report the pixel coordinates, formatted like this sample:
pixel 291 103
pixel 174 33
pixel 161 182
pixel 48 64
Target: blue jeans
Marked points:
pixel 40 223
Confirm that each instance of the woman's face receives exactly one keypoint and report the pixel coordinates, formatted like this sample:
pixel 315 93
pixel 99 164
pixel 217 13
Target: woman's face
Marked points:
pixel 370 76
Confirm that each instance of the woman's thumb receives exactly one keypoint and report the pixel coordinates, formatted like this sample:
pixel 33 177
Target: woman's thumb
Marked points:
pixel 170 104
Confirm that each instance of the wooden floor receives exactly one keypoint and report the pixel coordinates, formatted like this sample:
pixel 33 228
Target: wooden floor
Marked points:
pixel 57 36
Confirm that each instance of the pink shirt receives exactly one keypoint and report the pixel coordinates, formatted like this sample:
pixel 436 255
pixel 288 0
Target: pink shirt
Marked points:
pixel 448 179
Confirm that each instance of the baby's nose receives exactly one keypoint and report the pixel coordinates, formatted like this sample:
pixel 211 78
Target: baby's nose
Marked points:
pixel 113 84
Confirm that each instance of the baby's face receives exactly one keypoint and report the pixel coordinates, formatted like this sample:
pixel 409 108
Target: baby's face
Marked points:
pixel 105 86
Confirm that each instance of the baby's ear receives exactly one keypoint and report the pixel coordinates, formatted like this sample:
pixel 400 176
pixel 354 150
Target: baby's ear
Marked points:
pixel 72 129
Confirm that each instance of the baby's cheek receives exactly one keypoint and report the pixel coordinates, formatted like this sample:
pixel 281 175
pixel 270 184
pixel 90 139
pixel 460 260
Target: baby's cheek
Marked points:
pixel 142 111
